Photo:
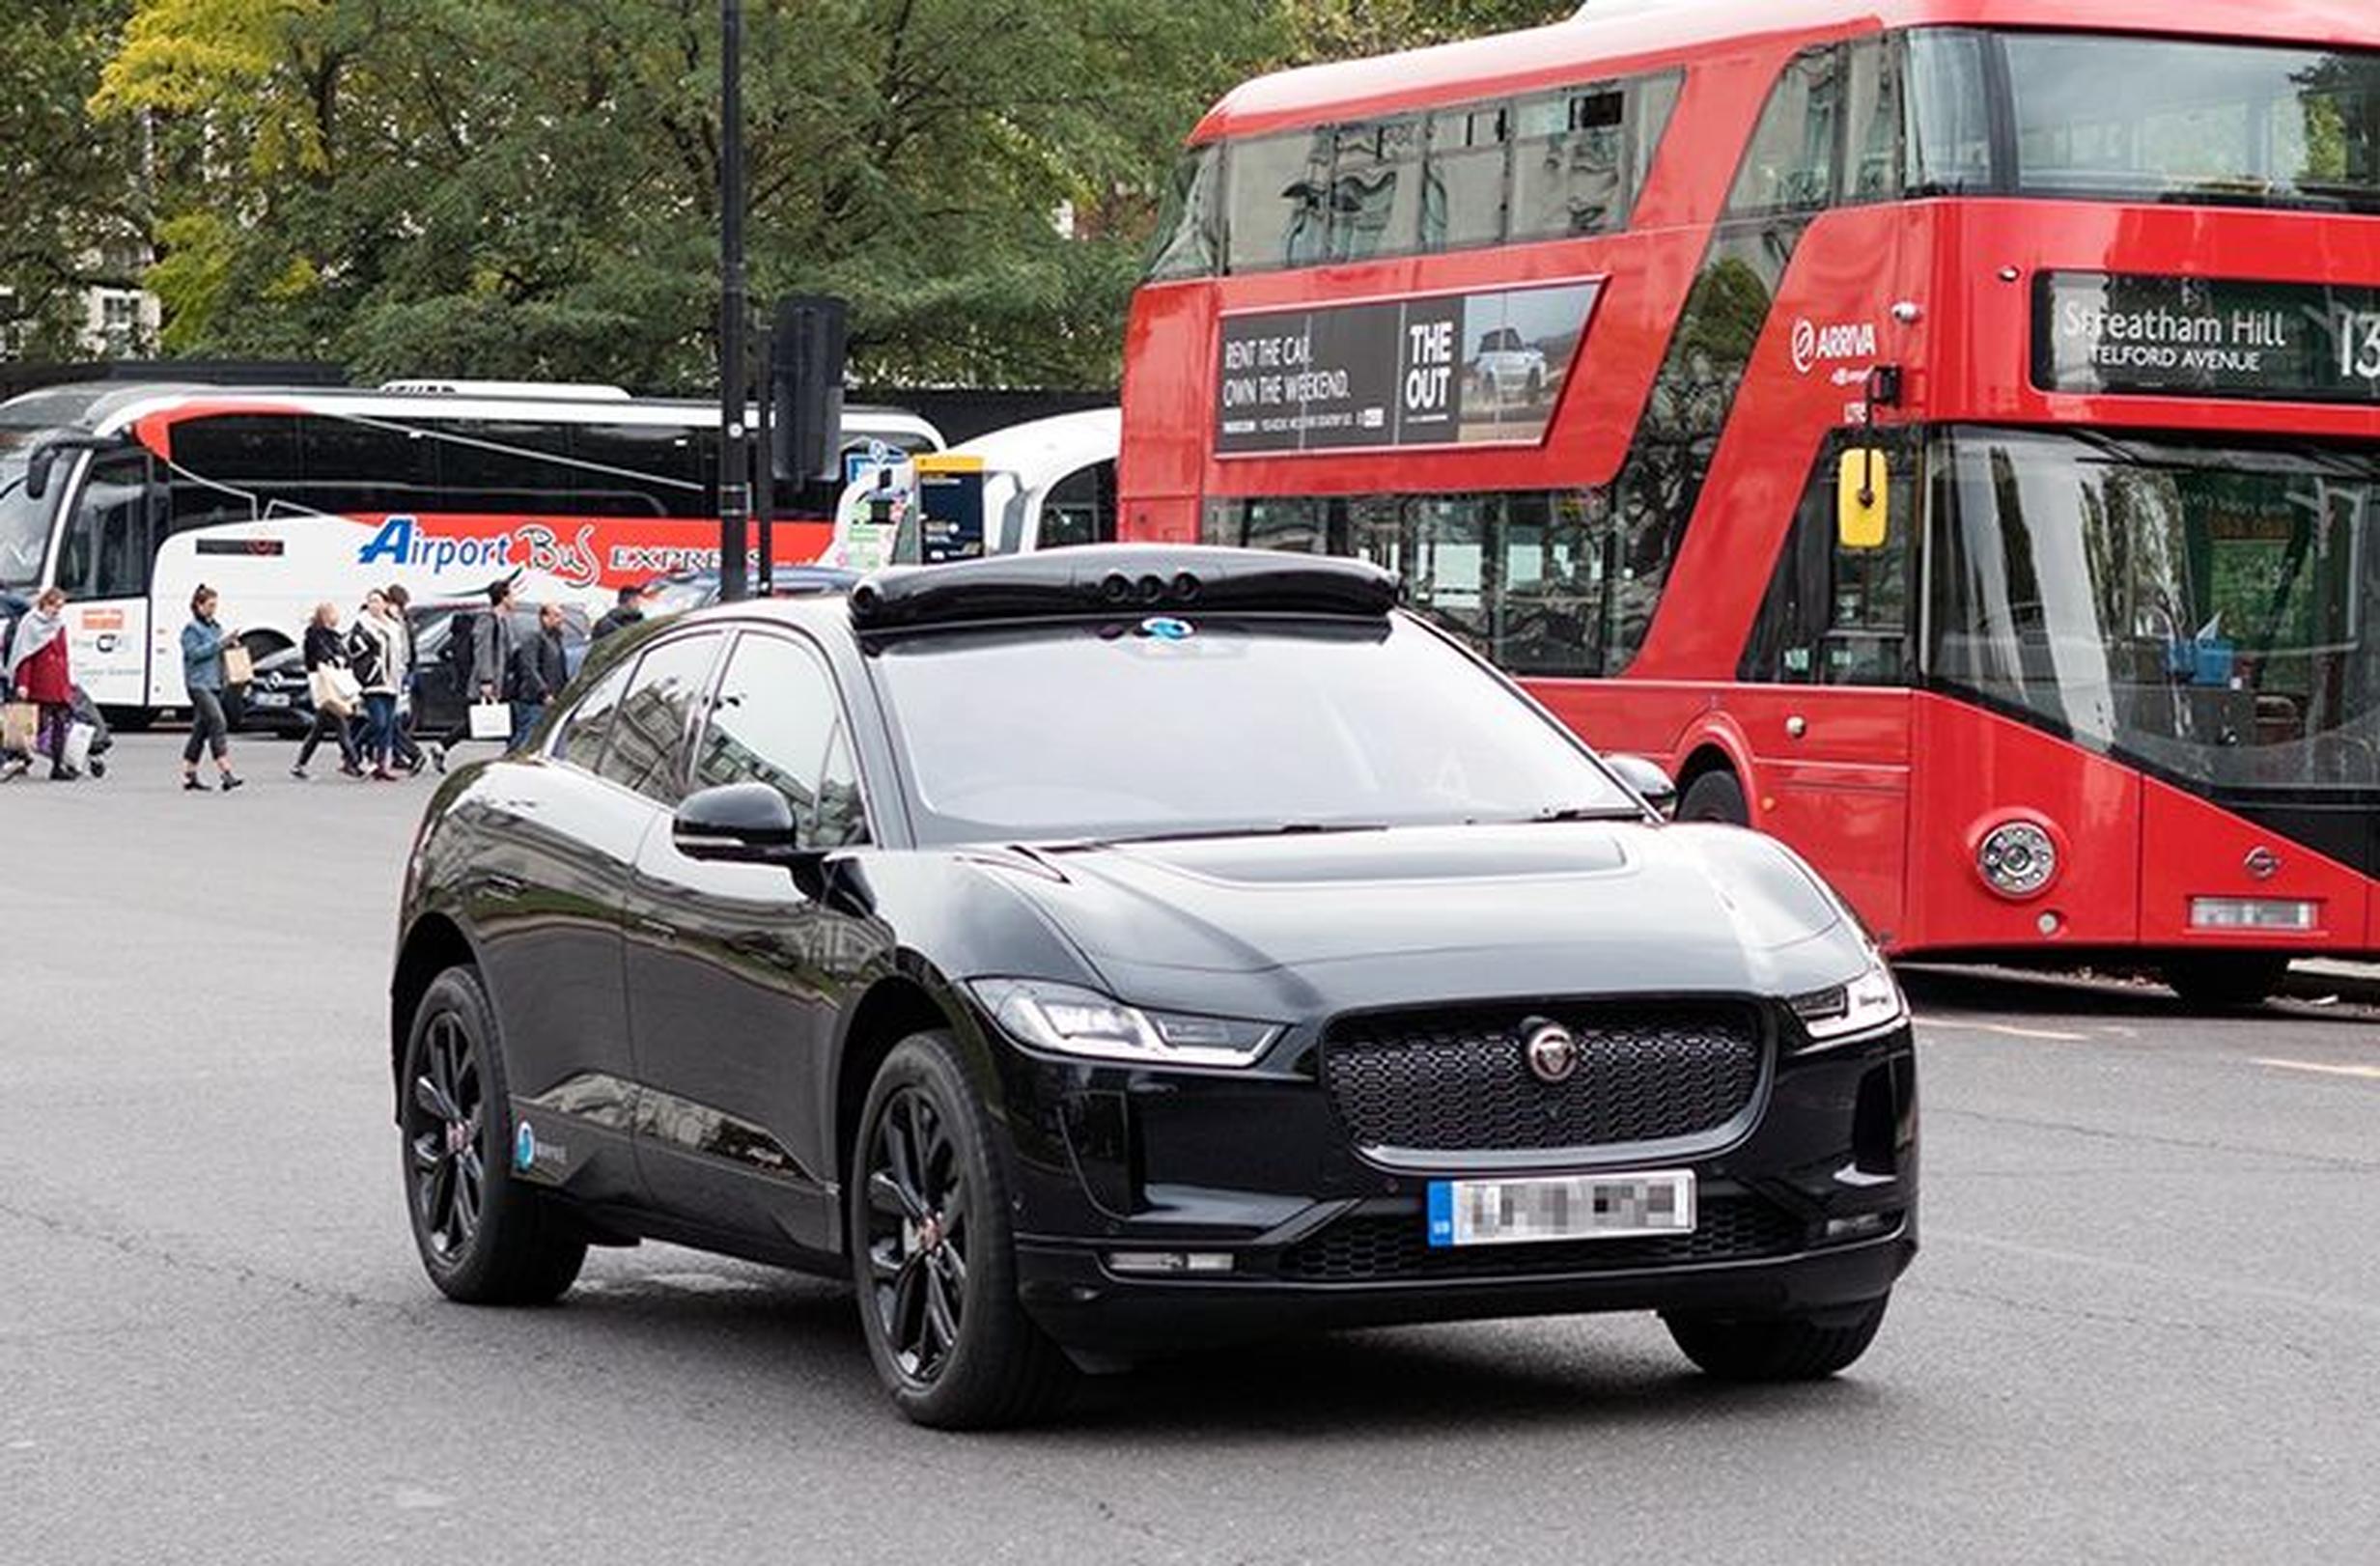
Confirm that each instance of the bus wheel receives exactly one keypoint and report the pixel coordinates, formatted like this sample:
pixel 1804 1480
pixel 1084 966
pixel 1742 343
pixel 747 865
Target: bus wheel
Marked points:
pixel 1715 797
pixel 2226 981
pixel 130 720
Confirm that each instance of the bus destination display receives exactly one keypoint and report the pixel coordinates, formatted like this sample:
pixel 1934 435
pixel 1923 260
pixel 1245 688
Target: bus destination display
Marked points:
pixel 1436 370
pixel 2206 337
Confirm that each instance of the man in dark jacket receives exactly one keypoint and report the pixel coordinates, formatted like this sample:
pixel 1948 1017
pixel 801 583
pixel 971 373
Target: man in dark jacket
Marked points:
pixel 629 611
pixel 540 671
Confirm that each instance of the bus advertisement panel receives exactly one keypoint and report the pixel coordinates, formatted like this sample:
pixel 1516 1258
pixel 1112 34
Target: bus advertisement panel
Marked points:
pixel 1946 432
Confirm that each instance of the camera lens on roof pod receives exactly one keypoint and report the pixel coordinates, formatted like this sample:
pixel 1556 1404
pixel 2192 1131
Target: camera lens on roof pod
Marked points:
pixel 1116 588
pixel 1184 587
pixel 1151 588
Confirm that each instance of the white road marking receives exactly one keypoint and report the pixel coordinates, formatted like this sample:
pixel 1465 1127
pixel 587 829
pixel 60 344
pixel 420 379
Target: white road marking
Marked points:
pixel 2007 1030
pixel 2369 1072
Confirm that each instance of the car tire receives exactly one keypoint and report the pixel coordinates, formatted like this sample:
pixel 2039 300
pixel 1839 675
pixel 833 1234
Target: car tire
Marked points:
pixel 933 1253
pixel 2226 981
pixel 130 720
pixel 1715 797
pixel 485 1238
pixel 1776 1348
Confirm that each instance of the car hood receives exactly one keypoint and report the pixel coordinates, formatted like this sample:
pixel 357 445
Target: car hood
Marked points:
pixel 1299 925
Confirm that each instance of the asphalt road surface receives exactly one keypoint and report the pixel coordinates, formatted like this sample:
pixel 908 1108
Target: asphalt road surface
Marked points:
pixel 2142 1327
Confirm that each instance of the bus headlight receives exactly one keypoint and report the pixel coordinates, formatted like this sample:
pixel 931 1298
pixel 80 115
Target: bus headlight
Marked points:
pixel 2017 858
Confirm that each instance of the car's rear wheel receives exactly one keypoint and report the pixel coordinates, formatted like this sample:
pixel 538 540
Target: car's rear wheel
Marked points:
pixel 1777 1348
pixel 2226 981
pixel 933 1253
pixel 484 1237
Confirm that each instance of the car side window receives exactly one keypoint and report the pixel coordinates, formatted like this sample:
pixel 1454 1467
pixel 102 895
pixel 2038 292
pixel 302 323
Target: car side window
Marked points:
pixel 778 720
pixel 579 741
pixel 650 730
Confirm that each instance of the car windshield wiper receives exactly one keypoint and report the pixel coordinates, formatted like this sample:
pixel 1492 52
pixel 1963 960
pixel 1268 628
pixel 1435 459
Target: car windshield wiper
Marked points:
pixel 1287 828
pixel 1553 813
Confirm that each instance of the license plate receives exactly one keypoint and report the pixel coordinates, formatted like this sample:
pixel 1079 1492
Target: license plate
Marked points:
pixel 1564 1207
pixel 273 698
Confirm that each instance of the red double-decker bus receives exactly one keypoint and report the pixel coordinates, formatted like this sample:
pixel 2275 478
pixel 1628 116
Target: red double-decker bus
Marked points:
pixel 1945 432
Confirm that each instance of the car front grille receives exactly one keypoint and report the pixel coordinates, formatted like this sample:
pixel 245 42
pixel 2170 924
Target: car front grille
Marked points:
pixel 1459 1080
pixel 1387 1247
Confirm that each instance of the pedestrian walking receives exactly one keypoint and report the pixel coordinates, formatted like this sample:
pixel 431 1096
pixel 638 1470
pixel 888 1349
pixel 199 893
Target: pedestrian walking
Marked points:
pixel 403 752
pixel 334 691
pixel 37 672
pixel 371 658
pixel 203 642
pixel 629 611
pixel 487 669
pixel 540 669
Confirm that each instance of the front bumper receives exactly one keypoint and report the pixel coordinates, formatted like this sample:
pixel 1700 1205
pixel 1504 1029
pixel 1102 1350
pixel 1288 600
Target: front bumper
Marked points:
pixel 1810 1206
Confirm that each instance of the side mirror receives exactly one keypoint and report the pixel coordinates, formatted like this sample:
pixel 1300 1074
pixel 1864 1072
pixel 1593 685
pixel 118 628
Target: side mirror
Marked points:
pixel 739 824
pixel 1863 498
pixel 1648 778
pixel 44 457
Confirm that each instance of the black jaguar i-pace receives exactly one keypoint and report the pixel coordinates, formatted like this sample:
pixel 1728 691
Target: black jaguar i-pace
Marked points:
pixel 1131 947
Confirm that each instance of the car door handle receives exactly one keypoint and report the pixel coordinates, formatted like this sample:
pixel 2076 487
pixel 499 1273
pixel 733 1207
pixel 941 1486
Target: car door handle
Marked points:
pixel 498 885
pixel 657 929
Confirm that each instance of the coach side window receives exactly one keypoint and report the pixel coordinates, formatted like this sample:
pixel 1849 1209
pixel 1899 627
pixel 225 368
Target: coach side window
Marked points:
pixel 650 732
pixel 106 548
pixel 1789 167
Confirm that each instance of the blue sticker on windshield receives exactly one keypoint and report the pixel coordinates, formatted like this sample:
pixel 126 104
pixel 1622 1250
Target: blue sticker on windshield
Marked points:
pixel 1165 629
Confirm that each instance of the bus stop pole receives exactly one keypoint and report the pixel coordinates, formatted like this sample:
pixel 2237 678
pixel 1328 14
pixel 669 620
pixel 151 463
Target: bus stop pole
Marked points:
pixel 735 322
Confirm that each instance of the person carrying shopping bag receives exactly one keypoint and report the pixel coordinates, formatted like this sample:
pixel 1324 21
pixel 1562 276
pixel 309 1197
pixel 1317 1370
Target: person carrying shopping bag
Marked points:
pixel 335 692
pixel 371 656
pixel 202 645
pixel 37 674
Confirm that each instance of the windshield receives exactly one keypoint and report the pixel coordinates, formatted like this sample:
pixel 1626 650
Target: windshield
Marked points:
pixel 24 525
pixel 1213 726
pixel 2206 608
pixel 2101 116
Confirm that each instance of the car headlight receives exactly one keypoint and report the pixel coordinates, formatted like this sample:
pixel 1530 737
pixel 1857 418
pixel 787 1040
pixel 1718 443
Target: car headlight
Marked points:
pixel 1069 1019
pixel 1868 1004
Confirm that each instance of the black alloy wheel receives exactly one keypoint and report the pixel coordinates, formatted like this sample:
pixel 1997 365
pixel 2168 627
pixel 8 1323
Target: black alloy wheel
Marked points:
pixel 486 1237
pixel 917 1234
pixel 933 1254
pixel 444 1122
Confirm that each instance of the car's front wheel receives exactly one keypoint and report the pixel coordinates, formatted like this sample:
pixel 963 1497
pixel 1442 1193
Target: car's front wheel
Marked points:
pixel 933 1253
pixel 484 1237
pixel 1777 1348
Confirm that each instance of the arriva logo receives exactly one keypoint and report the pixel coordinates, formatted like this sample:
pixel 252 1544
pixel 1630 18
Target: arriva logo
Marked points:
pixel 1840 340
pixel 396 543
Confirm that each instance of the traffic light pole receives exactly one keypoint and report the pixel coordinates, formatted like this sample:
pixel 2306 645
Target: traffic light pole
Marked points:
pixel 734 461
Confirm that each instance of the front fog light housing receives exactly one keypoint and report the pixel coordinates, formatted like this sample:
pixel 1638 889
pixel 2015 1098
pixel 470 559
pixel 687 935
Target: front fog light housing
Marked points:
pixel 1072 1021
pixel 2016 859
pixel 1868 1004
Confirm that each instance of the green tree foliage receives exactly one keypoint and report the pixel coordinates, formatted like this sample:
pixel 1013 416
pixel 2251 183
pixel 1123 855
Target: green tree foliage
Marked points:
pixel 73 215
pixel 527 187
